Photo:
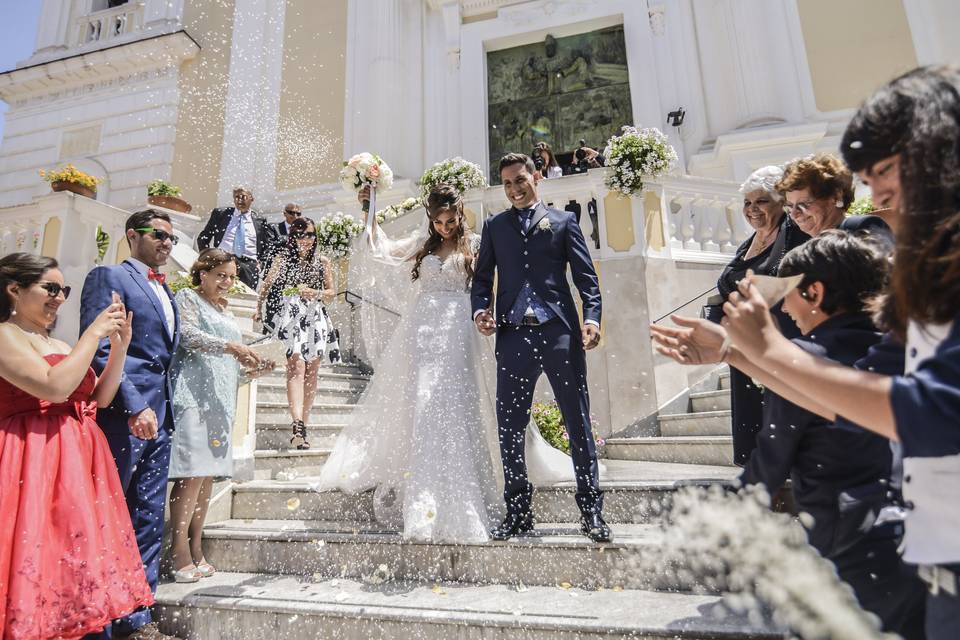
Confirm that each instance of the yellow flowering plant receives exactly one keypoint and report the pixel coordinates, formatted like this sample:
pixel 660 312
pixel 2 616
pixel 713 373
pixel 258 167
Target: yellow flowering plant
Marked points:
pixel 70 173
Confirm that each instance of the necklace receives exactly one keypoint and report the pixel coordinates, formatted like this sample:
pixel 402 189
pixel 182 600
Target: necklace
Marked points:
pixel 45 338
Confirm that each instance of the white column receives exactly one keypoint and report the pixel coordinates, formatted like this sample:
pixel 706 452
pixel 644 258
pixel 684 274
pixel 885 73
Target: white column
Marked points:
pixel 160 14
pixel 253 100
pixel 55 17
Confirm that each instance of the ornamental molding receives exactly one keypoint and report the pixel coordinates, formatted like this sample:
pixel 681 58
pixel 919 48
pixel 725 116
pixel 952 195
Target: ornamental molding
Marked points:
pixel 141 60
pixel 473 8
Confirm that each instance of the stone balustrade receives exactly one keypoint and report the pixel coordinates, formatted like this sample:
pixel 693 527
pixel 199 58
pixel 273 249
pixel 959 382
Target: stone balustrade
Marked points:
pixel 108 24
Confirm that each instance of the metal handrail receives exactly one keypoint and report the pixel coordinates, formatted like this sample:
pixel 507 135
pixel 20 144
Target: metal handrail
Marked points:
pixel 354 299
pixel 694 299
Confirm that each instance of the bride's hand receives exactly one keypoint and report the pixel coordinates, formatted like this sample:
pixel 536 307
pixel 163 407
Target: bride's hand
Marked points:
pixel 485 324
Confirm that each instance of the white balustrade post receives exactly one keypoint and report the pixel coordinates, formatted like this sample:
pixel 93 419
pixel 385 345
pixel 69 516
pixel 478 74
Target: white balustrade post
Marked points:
pixel 710 221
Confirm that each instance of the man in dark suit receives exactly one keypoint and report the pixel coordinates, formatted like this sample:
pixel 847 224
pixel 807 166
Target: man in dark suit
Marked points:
pixel 138 423
pixel 243 232
pixel 290 213
pixel 538 331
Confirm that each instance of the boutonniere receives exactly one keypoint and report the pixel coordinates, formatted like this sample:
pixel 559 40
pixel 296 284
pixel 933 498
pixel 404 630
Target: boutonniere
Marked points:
pixel 544 225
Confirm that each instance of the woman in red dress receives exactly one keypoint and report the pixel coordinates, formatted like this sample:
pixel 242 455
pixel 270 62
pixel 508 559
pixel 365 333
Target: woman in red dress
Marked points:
pixel 69 562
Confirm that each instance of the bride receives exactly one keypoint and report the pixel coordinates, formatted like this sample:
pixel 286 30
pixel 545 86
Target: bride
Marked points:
pixel 424 434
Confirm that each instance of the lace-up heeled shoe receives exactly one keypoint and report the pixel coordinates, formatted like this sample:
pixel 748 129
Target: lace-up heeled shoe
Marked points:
pixel 299 439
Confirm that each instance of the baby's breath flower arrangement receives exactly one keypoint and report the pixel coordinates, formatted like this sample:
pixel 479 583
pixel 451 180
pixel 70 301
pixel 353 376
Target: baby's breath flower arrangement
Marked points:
pixel 636 154
pixel 335 233
pixel 456 172
pixel 861 206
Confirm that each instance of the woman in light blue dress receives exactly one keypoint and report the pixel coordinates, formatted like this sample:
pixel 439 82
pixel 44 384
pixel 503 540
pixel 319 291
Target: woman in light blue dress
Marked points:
pixel 205 374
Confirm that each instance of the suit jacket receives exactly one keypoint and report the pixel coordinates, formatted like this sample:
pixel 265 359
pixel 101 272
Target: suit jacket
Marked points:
pixel 216 226
pixel 839 476
pixel 540 256
pixel 146 380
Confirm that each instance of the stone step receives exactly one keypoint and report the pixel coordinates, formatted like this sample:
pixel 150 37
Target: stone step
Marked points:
pixel 712 450
pixel 624 502
pixel 244 605
pixel 553 554
pixel 274 463
pixel 710 401
pixel 347 393
pixel 279 412
pixel 350 378
pixel 705 423
pixel 277 436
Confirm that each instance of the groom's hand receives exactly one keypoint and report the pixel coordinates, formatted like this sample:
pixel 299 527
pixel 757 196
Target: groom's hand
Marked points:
pixel 591 336
pixel 485 323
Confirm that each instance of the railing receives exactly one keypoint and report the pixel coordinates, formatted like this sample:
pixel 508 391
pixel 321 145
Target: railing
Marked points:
pixel 682 218
pixel 108 24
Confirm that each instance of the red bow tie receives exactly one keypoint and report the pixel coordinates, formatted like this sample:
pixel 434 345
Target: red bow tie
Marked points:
pixel 156 275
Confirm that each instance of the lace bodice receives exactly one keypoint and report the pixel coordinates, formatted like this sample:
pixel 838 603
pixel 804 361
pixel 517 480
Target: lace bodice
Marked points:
pixel 449 275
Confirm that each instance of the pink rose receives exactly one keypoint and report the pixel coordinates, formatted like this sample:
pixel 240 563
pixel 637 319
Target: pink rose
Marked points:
pixel 374 172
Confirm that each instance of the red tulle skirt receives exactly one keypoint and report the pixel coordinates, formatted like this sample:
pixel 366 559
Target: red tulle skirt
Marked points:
pixel 69 562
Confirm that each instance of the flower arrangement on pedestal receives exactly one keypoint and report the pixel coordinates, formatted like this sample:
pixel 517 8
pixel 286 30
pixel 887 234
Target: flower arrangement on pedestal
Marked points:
pixel 456 172
pixel 636 154
pixel 163 194
pixel 549 420
pixel 335 233
pixel 69 178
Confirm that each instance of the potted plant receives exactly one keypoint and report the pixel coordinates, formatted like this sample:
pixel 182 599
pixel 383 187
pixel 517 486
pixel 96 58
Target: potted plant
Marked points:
pixel 163 194
pixel 69 178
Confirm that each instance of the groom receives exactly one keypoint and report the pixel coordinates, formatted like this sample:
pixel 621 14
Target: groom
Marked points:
pixel 538 331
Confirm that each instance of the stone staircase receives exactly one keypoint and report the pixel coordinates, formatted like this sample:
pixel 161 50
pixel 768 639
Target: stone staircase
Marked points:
pixel 701 435
pixel 298 564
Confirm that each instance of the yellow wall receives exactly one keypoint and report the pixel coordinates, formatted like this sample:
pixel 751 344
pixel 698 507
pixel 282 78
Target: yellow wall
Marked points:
pixel 203 90
pixel 618 211
pixel 853 47
pixel 310 140
pixel 51 238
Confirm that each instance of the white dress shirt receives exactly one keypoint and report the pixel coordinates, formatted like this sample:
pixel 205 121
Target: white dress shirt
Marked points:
pixel 165 303
pixel 249 234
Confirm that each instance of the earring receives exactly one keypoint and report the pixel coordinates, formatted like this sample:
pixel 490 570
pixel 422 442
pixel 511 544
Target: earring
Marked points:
pixel 839 204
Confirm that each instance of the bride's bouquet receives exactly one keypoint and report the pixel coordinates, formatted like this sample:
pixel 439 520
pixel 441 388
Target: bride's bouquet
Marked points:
pixel 366 170
pixel 635 154
pixel 456 172
pixel 335 234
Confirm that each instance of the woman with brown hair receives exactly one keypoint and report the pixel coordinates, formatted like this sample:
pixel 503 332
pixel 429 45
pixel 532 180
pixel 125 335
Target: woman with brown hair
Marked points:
pixel 205 374
pixel 817 191
pixel 301 280
pixel 424 435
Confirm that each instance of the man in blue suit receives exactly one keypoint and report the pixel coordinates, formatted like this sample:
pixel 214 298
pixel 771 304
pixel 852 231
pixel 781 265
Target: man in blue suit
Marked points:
pixel 538 331
pixel 139 422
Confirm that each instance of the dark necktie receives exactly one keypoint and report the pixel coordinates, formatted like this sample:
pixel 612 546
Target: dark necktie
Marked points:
pixel 526 215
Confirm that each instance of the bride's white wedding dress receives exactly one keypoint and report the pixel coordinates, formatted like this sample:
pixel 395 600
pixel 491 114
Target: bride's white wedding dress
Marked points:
pixel 424 433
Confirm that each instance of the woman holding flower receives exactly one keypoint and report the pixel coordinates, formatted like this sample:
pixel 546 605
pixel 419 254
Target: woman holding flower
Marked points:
pixel 303 280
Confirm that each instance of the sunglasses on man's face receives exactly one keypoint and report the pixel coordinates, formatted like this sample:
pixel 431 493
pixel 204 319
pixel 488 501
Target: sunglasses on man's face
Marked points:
pixel 54 289
pixel 295 214
pixel 159 234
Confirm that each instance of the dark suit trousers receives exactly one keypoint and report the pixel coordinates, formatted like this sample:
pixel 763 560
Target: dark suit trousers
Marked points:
pixel 523 353
pixel 144 466
pixel 248 272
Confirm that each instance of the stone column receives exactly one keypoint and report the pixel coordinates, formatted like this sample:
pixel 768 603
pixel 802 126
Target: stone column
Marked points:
pixel 52 33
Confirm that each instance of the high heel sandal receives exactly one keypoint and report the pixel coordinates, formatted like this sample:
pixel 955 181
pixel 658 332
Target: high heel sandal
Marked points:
pixel 188 574
pixel 299 434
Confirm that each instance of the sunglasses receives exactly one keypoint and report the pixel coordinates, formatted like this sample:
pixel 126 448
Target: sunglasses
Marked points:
pixel 54 289
pixel 299 235
pixel 295 214
pixel 159 234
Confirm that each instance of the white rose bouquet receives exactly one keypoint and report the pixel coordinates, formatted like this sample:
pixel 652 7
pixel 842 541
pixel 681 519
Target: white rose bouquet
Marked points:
pixel 456 172
pixel 335 234
pixel 366 170
pixel 635 154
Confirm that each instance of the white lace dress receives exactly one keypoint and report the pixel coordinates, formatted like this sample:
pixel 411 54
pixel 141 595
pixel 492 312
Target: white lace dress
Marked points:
pixel 424 434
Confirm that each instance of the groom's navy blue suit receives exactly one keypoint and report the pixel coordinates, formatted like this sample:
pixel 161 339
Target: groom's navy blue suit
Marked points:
pixel 538 331
pixel 143 464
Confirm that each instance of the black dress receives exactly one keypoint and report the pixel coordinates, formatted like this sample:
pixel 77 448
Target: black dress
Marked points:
pixel 746 398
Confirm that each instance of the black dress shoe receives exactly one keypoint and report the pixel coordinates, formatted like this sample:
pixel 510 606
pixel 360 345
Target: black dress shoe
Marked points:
pixel 595 528
pixel 514 524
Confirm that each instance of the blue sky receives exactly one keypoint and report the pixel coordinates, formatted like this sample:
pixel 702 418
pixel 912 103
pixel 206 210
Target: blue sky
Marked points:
pixel 18 31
